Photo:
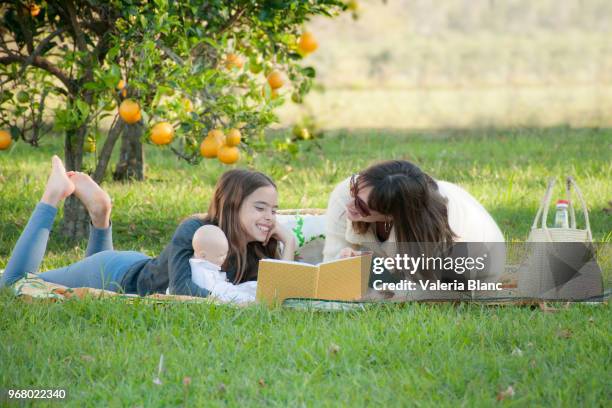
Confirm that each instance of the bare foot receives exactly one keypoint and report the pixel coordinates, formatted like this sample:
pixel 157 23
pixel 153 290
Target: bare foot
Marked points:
pixel 59 186
pixel 96 200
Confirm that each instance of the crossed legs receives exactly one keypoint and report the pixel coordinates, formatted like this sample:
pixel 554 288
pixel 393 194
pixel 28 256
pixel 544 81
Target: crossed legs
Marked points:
pixel 31 245
pixel 61 184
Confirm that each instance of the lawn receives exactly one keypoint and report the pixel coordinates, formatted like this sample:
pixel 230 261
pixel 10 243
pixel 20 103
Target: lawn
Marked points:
pixel 107 352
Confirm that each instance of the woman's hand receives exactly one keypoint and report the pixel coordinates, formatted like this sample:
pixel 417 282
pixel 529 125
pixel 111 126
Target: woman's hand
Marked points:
pixel 348 252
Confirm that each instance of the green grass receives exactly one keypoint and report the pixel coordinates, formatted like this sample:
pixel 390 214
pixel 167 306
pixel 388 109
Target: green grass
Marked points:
pixel 107 352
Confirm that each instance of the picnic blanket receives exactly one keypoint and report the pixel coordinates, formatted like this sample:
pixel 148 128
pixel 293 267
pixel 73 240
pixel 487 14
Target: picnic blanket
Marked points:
pixel 33 288
pixel 308 226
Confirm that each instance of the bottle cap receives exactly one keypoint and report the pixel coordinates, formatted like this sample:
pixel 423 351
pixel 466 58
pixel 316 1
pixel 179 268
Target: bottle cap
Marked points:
pixel 562 202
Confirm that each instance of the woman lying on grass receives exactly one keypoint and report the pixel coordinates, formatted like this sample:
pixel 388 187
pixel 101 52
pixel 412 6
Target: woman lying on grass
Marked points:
pixel 244 206
pixel 395 202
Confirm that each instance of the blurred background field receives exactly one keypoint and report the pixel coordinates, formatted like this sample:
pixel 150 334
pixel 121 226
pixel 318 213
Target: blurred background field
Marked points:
pixel 463 63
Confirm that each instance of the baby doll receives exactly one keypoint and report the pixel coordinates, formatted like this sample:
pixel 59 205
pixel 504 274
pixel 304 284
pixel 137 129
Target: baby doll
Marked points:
pixel 210 249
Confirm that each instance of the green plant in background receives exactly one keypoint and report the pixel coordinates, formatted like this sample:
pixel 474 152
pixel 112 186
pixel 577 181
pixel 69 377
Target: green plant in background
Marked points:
pixel 297 230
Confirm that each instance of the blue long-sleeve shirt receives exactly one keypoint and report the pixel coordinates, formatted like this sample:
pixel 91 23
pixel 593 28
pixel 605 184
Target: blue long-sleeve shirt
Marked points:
pixel 171 268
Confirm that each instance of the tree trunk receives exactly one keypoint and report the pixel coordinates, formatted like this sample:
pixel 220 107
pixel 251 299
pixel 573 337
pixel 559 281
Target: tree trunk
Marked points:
pixel 75 223
pixel 107 150
pixel 131 157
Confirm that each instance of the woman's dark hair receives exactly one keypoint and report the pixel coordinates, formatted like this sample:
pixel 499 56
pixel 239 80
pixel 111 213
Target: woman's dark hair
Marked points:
pixel 411 198
pixel 231 190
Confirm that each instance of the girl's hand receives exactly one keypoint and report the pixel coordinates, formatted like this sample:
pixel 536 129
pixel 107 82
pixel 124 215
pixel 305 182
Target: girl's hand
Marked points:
pixel 285 236
pixel 282 234
pixel 348 252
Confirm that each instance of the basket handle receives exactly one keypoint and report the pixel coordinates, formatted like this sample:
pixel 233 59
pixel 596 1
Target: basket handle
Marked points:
pixel 545 204
pixel 572 212
pixel 571 182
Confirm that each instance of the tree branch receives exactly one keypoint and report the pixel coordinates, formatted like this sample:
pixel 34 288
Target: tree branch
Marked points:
pixel 239 13
pixel 76 28
pixel 169 53
pixel 189 159
pixel 25 28
pixel 104 158
pixel 42 63
pixel 39 49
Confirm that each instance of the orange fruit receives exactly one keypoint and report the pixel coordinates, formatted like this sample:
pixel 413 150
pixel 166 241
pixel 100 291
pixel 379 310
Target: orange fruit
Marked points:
pixel 233 61
pixel 217 134
pixel 130 111
pixel 34 9
pixel 162 133
pixel 301 132
pixel 121 84
pixel 90 145
pixel 275 80
pixel 5 140
pixel 110 105
pixel 296 97
pixel 233 137
pixel 228 154
pixel 210 147
pixel 307 43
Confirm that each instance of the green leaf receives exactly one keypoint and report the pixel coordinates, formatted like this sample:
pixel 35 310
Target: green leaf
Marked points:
pixel 15 132
pixel 83 109
pixel 309 72
pixel 93 86
pixel 5 96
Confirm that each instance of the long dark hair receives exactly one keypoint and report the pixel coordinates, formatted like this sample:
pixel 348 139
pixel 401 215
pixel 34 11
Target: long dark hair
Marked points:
pixel 231 190
pixel 411 198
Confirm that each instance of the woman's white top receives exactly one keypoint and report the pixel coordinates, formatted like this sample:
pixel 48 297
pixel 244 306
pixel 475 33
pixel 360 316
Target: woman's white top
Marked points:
pixel 468 219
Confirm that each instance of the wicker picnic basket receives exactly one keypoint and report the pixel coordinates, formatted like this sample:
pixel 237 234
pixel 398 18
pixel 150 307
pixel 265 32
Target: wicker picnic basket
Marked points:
pixel 302 211
pixel 561 264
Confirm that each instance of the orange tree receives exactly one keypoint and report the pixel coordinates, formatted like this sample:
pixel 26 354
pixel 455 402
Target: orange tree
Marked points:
pixel 192 66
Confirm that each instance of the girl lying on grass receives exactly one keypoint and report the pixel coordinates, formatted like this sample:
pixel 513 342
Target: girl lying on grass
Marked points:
pixel 244 207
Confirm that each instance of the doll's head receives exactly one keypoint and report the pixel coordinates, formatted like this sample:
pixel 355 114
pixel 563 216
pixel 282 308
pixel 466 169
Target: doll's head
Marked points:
pixel 210 243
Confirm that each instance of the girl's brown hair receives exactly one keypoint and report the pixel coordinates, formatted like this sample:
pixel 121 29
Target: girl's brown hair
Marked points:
pixel 411 198
pixel 231 190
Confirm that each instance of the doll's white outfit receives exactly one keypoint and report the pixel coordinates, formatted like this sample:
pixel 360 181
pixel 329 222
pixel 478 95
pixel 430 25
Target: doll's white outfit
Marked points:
pixel 209 276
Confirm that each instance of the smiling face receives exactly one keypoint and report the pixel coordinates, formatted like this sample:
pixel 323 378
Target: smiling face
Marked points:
pixel 354 214
pixel 258 213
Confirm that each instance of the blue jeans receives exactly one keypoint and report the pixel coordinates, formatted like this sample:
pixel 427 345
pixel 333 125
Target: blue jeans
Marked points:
pixel 102 268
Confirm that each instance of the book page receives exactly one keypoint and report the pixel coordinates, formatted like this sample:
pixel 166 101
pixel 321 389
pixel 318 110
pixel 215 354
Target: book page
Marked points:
pixel 344 279
pixel 278 281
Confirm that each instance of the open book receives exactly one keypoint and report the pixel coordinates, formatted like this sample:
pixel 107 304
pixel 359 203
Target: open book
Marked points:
pixel 341 279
